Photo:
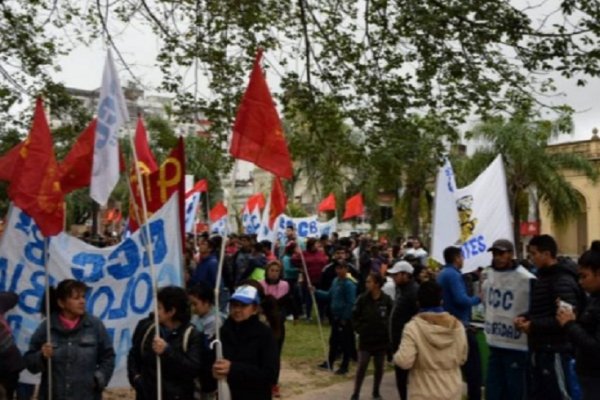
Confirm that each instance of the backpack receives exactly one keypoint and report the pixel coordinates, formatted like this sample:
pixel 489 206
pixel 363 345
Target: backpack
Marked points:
pixel 151 327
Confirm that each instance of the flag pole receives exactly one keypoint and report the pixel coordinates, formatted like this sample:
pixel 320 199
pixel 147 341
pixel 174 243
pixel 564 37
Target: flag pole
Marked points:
pixel 47 300
pixel 223 388
pixel 316 308
pixel 150 250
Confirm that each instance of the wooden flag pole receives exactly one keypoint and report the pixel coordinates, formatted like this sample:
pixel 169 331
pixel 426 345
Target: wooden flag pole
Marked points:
pixel 150 251
pixel 47 299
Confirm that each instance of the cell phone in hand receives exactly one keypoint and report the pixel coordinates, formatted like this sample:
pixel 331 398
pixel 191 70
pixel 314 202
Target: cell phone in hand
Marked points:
pixel 565 306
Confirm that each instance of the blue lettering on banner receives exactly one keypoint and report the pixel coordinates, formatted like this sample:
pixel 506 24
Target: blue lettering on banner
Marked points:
pixel 88 267
pixel 254 224
pixel 36 292
pixel 126 260
pixel 103 302
pixel 449 173
pixel 502 330
pixel 473 247
pixel 157 233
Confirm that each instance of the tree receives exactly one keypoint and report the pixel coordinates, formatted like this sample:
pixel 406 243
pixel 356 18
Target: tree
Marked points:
pixel 522 139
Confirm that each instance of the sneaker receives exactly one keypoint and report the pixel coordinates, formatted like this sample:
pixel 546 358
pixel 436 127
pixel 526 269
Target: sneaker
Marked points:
pixel 354 397
pixel 377 397
pixel 275 391
pixel 324 365
pixel 341 371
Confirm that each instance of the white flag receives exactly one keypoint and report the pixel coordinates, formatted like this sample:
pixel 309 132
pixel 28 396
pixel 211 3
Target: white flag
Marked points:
pixel 446 227
pixel 112 114
pixel 191 209
pixel 265 232
pixel 484 215
pixel 221 227
pixel 252 220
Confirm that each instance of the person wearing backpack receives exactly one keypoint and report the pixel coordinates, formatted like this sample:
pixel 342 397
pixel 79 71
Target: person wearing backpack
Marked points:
pixel 179 347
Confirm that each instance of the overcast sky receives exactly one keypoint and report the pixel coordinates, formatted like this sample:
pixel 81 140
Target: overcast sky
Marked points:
pixel 82 68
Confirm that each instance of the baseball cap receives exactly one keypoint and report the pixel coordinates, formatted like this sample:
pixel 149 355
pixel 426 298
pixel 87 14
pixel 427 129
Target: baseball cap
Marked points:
pixel 502 245
pixel 401 266
pixel 245 294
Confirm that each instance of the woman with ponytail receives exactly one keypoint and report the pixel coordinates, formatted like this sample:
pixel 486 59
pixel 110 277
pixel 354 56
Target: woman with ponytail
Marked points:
pixel 79 347
pixel 584 332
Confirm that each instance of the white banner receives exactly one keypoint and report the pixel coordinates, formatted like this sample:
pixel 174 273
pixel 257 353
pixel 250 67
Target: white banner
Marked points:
pixel 305 227
pixel 112 113
pixel 484 215
pixel 118 276
pixel 191 210
pixel 251 221
pixel 445 216
pixel 221 227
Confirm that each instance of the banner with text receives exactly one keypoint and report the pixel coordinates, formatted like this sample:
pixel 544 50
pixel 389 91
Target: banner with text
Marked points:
pixel 118 276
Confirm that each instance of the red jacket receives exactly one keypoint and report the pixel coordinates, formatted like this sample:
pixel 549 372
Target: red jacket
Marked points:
pixel 315 262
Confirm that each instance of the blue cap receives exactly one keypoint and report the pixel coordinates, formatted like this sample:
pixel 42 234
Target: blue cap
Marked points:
pixel 246 294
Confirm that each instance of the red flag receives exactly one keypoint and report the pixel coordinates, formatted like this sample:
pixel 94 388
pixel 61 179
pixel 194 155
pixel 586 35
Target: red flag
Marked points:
pixel 76 167
pixel 35 182
pixel 257 132
pixel 278 201
pixel 354 207
pixel 257 199
pixel 328 204
pixel 8 161
pixel 217 212
pixel 159 186
pixel 144 156
pixel 200 186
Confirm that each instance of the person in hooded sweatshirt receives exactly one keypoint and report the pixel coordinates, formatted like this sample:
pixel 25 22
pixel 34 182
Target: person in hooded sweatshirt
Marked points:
pixel 433 348
pixel 551 352
pixel 584 332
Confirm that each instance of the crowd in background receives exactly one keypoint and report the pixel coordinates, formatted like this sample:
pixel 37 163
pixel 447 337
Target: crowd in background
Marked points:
pixel 541 317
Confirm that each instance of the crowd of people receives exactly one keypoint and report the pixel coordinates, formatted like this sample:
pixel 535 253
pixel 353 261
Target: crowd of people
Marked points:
pixel 541 319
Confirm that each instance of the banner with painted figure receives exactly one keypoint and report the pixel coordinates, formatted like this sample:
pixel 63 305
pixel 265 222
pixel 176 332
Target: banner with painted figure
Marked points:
pixel 484 216
pixel 192 202
pixel 251 221
pixel 445 214
pixel 118 276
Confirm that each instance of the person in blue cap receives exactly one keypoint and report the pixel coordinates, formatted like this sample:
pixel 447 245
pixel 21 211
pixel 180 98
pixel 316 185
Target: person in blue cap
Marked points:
pixel 250 360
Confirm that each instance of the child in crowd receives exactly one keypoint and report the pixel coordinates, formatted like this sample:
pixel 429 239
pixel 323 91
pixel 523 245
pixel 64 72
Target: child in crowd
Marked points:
pixel 370 320
pixel 341 296
pixel 433 347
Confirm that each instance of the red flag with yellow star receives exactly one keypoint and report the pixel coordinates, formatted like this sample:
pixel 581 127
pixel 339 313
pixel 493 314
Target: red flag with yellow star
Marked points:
pixel 35 182
pixel 257 132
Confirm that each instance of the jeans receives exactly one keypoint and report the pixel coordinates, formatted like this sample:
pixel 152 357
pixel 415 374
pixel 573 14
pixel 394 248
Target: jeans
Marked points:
pixel 507 374
pixel 472 368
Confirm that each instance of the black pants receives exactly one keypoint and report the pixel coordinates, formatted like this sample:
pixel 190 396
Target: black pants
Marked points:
pixel 9 381
pixel 550 378
pixel 472 368
pixel 340 341
pixel 363 362
pixel 402 382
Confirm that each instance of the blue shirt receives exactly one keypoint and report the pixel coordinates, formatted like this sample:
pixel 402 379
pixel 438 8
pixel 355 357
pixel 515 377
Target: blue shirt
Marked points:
pixel 456 300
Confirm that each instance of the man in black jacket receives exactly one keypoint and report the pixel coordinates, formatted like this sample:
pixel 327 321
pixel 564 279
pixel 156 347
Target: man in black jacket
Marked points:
pixel 551 353
pixel 405 307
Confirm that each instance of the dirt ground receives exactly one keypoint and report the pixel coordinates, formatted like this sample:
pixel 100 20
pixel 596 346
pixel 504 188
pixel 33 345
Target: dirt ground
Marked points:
pixel 296 378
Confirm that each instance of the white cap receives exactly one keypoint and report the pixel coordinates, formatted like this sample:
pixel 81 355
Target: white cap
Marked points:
pixel 401 266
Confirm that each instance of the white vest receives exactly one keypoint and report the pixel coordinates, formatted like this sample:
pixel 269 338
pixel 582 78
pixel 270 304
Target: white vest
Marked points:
pixel 506 296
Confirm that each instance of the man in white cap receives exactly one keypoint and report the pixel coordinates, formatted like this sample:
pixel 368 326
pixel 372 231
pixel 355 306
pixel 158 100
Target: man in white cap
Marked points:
pixel 405 307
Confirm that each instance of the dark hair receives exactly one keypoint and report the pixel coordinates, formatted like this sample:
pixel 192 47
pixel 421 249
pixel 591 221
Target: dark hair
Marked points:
pixel 377 278
pixel 429 294
pixel 545 243
pixel 450 254
pixel 202 291
pixel 266 244
pixel 290 226
pixel 591 258
pixel 174 297
pixel 271 263
pixel 215 243
pixel 63 291
pixel 310 244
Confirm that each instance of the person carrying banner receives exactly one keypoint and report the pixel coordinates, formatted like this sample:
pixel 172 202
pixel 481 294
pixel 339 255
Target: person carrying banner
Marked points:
pixel 458 303
pixel 11 360
pixel 506 293
pixel 179 347
pixel 81 352
pixel 250 360
pixel 551 352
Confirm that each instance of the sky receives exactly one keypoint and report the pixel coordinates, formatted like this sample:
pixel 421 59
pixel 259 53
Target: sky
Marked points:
pixel 82 68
